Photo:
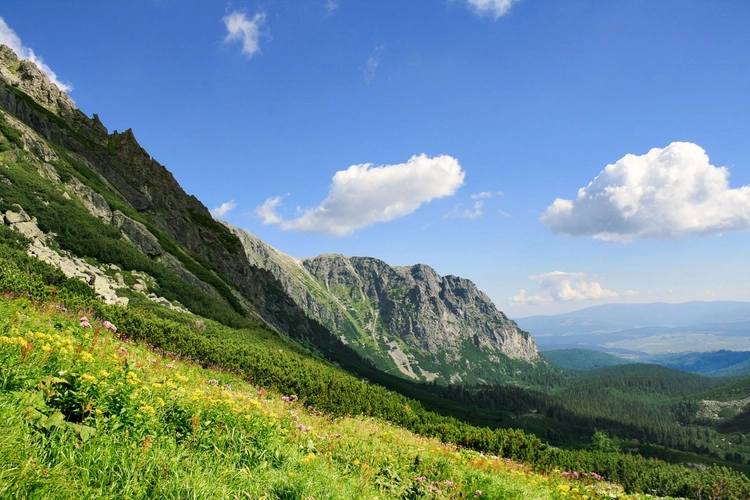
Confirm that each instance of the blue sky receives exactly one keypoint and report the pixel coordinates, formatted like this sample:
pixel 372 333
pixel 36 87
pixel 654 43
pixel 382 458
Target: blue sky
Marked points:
pixel 442 131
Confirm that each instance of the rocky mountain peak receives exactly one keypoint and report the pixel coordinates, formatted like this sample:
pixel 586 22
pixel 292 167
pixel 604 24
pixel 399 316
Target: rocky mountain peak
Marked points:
pixel 406 319
pixel 26 76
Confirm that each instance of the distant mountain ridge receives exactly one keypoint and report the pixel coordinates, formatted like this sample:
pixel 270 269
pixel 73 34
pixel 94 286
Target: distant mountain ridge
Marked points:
pixel 646 328
pixel 408 320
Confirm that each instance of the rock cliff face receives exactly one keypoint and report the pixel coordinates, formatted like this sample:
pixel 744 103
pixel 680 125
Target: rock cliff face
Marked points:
pixel 408 320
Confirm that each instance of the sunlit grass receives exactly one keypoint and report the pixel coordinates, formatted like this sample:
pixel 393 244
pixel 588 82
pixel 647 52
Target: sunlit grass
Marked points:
pixel 87 414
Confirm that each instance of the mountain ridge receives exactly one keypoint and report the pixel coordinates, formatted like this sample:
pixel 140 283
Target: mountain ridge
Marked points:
pixel 400 317
pixel 135 198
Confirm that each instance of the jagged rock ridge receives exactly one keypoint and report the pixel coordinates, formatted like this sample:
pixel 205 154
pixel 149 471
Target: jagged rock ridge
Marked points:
pixel 409 318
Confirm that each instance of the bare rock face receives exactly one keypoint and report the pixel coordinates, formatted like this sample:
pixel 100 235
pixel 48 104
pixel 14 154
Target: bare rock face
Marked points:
pixel 137 233
pixel 427 311
pixel 25 75
pixel 93 201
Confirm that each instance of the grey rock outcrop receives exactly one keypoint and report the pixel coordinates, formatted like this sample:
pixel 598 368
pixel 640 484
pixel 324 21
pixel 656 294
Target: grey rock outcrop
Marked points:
pixel 93 201
pixel 427 311
pixel 137 234
pixel 21 222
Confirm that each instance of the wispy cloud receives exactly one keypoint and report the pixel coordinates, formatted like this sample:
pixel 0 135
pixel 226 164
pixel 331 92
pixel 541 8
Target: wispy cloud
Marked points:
pixel 330 6
pixel 223 209
pixel 494 8
pixel 248 31
pixel 363 195
pixel 467 213
pixel 666 193
pixel 476 210
pixel 486 194
pixel 372 63
pixel 11 39
pixel 559 286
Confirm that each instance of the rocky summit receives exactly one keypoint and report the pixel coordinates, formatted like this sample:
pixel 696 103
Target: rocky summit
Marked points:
pixel 407 320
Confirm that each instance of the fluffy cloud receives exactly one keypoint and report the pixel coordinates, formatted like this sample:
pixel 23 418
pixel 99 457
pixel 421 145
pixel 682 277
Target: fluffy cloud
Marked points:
pixel 494 8
pixel 363 195
pixel 8 37
pixel 223 208
pixel 559 286
pixel 666 193
pixel 239 27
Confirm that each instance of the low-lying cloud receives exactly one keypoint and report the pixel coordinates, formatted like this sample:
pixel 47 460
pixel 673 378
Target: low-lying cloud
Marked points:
pixel 494 8
pixel 363 195
pixel 248 31
pixel 559 286
pixel 665 194
pixel 11 39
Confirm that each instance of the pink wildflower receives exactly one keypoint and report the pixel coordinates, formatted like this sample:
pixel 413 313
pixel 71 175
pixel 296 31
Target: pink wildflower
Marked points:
pixel 109 326
pixel 420 479
pixel 85 322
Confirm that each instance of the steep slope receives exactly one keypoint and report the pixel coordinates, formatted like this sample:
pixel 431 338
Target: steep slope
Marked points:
pixel 408 320
pixel 132 196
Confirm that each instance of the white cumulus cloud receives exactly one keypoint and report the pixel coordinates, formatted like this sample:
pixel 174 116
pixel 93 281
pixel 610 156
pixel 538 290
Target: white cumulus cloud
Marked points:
pixel 363 195
pixel 559 286
pixel 11 39
pixel 224 208
pixel 667 193
pixel 494 8
pixel 248 31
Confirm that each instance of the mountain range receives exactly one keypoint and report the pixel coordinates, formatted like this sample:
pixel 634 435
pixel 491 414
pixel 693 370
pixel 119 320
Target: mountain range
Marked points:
pixel 636 330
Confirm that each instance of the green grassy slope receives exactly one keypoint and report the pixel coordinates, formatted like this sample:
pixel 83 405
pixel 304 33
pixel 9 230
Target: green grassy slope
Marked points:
pixel 56 397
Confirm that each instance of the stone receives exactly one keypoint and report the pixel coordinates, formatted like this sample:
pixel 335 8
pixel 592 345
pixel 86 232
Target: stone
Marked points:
pixel 93 201
pixel 16 217
pixel 137 234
